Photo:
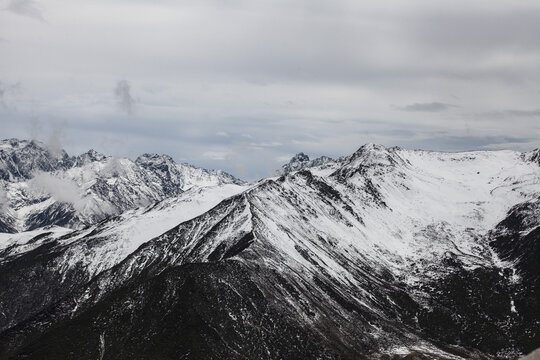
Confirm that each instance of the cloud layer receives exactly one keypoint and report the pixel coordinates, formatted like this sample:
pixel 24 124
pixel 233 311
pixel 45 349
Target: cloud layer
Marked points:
pixel 240 84
pixel 28 8
pixel 425 107
pixel 61 190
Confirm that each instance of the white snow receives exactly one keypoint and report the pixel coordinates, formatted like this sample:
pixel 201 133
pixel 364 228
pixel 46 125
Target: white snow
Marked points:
pixel 436 203
pixel 20 241
pixel 120 237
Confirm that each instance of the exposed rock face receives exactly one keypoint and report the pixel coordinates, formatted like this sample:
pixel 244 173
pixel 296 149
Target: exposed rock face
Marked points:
pixel 21 159
pixel 384 254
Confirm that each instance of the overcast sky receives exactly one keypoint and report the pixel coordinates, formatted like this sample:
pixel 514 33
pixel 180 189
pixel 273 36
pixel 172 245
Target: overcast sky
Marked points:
pixel 243 85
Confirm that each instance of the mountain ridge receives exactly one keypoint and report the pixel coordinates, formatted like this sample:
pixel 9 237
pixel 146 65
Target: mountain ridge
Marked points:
pixel 383 254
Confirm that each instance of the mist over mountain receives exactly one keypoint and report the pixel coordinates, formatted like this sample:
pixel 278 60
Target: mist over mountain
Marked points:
pixel 43 186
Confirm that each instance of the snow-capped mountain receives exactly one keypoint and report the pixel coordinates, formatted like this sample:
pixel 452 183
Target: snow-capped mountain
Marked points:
pixel 41 187
pixel 383 254
pixel 21 159
pixel 301 161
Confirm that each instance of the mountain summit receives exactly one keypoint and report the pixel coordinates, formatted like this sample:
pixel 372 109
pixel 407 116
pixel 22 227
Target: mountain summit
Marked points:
pixel 301 161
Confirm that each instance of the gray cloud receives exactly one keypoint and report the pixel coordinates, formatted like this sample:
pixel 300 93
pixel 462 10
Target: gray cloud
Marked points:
pixel 57 132
pixel 464 143
pixel 510 113
pixel 425 107
pixel 34 128
pixel 320 82
pixel 52 133
pixel 7 91
pixel 125 101
pixel 28 8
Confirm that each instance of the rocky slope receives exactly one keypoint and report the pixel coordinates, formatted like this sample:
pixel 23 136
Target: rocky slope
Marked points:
pixel 40 187
pixel 383 254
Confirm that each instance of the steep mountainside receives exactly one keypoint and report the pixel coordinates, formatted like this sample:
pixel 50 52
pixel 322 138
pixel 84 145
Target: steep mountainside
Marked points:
pixel 384 254
pixel 42 188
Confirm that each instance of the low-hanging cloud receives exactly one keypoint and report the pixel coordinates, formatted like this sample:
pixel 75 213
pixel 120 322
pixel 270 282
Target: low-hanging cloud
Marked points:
pixel 7 91
pixel 54 141
pixel 113 168
pixel 52 133
pixel 425 107
pixel 61 190
pixel 125 100
pixel 28 8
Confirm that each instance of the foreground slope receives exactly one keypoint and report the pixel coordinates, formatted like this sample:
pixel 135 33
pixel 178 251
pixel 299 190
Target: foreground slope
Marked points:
pixel 40 267
pixel 387 253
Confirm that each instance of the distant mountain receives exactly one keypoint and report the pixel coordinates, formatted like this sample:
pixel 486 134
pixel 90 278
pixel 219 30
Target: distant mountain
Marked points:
pixel 383 254
pixel 42 187
pixel 301 161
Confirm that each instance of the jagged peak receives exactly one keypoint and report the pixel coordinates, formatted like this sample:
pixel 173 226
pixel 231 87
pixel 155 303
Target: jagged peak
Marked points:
pixel 376 157
pixel 533 156
pixel 30 148
pixel 93 155
pixel 371 152
pixel 302 161
pixel 299 157
pixel 151 158
pixel 370 148
pixel 16 144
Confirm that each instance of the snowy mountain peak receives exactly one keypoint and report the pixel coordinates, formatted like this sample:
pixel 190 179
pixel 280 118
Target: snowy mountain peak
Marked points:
pixel 21 159
pixel 89 157
pixel 371 147
pixel 301 161
pixel 372 151
pixel 300 157
pixel 153 159
pixel 12 143
pixel 371 156
pixel 533 156
pixel 16 145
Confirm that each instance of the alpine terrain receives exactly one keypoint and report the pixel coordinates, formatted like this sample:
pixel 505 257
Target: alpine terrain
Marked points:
pixel 383 254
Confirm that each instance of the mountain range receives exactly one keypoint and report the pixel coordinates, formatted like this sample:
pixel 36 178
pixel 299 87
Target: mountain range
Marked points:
pixel 43 186
pixel 383 254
